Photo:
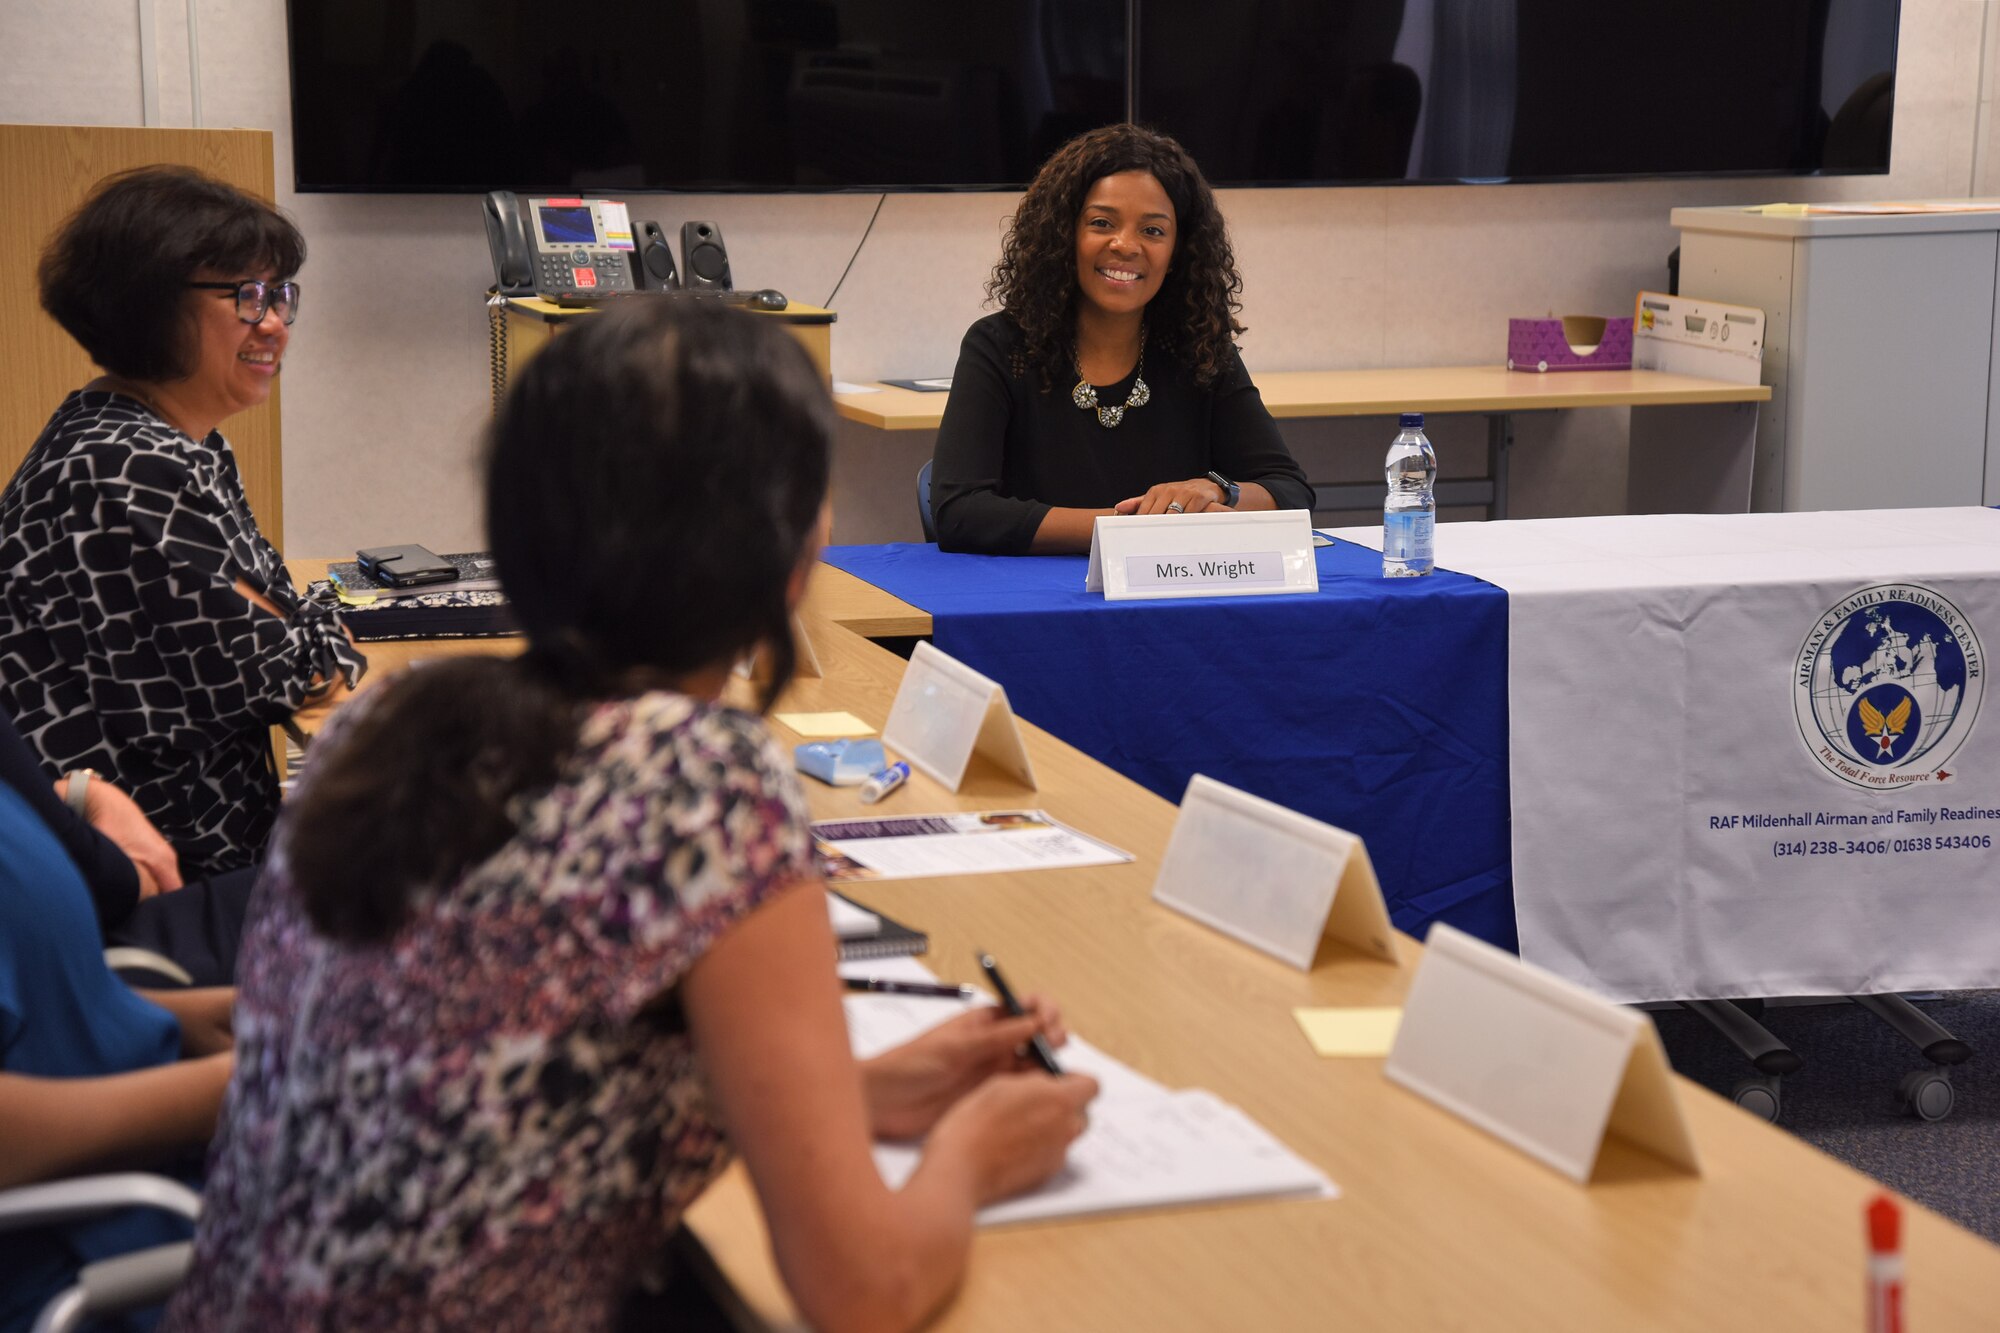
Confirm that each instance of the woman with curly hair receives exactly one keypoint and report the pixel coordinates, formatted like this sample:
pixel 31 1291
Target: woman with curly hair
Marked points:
pixel 1109 381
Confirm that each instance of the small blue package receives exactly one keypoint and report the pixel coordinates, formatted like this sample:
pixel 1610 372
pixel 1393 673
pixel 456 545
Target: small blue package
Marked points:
pixel 842 763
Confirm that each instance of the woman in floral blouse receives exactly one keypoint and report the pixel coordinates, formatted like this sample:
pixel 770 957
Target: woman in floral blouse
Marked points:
pixel 542 939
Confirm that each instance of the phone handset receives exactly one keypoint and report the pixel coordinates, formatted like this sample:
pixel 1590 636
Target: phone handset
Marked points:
pixel 507 238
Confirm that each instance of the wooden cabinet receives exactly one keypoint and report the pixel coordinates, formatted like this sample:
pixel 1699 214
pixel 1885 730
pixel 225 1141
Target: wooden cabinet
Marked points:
pixel 522 326
pixel 45 172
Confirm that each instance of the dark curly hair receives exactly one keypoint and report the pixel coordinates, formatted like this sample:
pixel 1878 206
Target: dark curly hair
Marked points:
pixel 115 274
pixel 1194 314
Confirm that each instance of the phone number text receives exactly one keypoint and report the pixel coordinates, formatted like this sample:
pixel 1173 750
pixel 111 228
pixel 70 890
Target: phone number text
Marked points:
pixel 1971 842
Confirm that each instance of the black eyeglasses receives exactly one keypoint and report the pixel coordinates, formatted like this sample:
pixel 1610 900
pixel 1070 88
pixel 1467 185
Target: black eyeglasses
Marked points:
pixel 254 297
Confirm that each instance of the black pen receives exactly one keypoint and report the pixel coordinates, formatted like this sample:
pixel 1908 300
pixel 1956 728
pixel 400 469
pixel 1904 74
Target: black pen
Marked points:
pixel 1045 1057
pixel 928 989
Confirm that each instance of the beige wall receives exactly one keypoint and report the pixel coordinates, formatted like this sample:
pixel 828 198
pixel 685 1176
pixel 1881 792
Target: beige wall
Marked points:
pixel 386 384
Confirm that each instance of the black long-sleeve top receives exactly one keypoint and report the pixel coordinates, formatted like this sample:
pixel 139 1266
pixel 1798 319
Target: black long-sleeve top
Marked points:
pixel 113 881
pixel 124 645
pixel 1008 451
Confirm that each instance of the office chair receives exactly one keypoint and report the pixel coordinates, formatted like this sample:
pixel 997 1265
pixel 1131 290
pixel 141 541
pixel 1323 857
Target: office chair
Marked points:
pixel 924 501
pixel 1925 1093
pixel 109 1286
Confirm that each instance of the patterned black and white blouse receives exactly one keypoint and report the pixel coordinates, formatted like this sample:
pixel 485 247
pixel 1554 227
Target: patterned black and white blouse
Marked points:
pixel 124 646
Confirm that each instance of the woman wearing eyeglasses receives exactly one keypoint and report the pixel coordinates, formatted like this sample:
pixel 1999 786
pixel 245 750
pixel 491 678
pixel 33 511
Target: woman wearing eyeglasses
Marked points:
pixel 148 631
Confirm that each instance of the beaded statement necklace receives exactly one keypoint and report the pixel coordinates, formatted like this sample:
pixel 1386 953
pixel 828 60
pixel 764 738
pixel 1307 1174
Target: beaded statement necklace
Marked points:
pixel 1085 396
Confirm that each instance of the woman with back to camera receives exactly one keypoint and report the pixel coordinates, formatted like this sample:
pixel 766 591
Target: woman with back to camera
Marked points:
pixel 147 628
pixel 1109 381
pixel 490 1051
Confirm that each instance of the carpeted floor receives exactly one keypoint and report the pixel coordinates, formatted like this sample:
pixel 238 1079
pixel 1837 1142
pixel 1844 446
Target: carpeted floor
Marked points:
pixel 1845 1099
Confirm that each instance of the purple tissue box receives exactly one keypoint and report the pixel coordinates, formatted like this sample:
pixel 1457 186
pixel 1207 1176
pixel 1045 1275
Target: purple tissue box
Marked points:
pixel 1574 342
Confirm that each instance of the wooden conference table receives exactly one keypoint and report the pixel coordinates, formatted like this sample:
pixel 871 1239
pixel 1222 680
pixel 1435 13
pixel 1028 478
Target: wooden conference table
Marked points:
pixel 1438 1226
pixel 1660 438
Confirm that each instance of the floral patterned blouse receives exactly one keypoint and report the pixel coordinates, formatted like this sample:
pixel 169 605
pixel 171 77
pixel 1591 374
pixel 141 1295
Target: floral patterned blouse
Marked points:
pixel 123 646
pixel 493 1121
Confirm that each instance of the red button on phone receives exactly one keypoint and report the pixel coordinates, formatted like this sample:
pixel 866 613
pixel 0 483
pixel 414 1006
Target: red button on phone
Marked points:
pixel 585 277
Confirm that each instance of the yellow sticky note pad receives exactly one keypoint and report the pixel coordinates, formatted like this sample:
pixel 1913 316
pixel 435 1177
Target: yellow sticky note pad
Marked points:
pixel 1350 1031
pixel 825 724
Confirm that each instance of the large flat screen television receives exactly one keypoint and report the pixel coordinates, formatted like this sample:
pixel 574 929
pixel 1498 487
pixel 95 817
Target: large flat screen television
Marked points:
pixel 474 95
pixel 755 95
pixel 1383 91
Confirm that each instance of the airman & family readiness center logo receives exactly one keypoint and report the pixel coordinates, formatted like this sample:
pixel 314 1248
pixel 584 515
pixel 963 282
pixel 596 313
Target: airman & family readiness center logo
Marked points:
pixel 1887 686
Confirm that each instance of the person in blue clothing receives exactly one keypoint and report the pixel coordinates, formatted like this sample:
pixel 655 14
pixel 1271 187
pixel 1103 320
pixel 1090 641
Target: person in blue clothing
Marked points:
pixel 93 1075
pixel 132 874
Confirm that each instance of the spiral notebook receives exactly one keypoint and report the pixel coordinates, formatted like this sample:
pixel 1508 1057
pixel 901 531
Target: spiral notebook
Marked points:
pixel 864 933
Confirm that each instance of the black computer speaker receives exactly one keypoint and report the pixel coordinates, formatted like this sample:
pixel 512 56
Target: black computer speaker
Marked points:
pixel 656 260
pixel 704 263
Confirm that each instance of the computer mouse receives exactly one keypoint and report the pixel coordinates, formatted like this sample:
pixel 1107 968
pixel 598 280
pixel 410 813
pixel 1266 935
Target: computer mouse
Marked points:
pixel 768 299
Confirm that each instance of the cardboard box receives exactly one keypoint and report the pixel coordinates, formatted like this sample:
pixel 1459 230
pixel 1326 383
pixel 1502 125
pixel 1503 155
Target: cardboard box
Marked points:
pixel 1706 338
pixel 1574 342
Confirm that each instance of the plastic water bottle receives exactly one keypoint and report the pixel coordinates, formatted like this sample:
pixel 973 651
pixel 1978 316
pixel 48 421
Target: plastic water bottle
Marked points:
pixel 1409 515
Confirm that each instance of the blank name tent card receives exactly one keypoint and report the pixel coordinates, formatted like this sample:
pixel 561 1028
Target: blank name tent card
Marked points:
pixel 1535 1060
pixel 945 712
pixel 1219 553
pixel 805 660
pixel 1273 878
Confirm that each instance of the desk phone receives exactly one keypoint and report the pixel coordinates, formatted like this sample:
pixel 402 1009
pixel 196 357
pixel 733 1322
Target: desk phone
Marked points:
pixel 559 245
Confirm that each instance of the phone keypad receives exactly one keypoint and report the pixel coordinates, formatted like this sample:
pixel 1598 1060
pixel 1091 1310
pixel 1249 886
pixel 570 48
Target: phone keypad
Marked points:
pixel 568 269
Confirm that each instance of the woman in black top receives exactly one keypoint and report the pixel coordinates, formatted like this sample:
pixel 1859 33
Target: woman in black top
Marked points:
pixel 147 628
pixel 1109 382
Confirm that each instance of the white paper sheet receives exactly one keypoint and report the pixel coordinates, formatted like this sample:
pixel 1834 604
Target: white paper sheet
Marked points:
pixel 849 921
pixel 1147 1146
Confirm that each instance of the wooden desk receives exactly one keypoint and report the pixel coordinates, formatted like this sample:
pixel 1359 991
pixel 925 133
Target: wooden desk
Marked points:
pixel 1367 393
pixel 1439 1226
pixel 1496 392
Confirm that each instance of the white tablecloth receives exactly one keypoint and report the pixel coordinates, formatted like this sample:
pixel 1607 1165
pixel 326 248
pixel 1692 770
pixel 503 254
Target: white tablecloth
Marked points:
pixel 1748 754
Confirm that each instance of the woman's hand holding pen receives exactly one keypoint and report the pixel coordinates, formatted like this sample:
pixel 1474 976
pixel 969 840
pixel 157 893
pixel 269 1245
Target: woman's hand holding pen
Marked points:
pixel 1013 1131
pixel 911 1087
pixel 1191 496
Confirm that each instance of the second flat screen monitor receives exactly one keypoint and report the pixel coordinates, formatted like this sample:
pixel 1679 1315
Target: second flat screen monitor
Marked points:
pixel 1292 91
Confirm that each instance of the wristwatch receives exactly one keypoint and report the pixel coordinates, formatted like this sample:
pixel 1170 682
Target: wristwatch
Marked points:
pixel 76 793
pixel 1231 492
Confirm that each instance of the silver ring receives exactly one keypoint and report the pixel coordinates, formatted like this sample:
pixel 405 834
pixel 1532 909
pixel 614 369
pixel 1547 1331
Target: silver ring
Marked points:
pixel 1176 507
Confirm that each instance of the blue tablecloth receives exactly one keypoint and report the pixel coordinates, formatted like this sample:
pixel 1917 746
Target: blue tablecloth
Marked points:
pixel 1378 705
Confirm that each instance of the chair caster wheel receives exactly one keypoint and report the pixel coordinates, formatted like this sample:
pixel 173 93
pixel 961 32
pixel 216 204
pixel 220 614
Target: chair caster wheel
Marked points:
pixel 1927 1094
pixel 1758 1096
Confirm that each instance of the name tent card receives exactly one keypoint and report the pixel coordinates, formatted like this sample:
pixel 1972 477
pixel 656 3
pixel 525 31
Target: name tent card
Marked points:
pixel 805 660
pixel 945 712
pixel 1535 1060
pixel 1273 878
pixel 1219 553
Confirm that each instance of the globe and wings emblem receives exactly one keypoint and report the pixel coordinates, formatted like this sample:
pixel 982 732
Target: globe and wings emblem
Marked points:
pixel 1890 686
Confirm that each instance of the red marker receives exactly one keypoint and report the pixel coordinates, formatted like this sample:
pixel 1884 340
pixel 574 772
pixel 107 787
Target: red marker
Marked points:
pixel 1885 1266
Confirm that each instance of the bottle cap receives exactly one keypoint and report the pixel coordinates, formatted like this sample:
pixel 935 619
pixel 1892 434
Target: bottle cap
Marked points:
pixel 1885 1224
pixel 1413 421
